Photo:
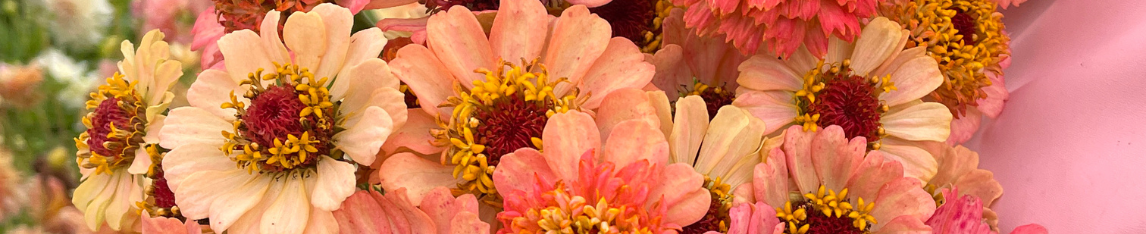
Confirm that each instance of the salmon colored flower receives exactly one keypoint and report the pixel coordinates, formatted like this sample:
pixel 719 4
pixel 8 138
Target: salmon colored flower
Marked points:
pixel 689 64
pixel 586 180
pixel 968 40
pixel 495 93
pixel 962 215
pixel 125 119
pixel 268 143
pixel 871 89
pixel 19 84
pixel 959 168
pixel 821 182
pixel 440 212
pixel 165 225
pixel 11 197
pixel 783 24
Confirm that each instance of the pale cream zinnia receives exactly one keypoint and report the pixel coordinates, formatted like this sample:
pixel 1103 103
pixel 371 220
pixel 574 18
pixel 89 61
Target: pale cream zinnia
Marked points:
pixel 266 145
pixel 124 122
pixel 871 89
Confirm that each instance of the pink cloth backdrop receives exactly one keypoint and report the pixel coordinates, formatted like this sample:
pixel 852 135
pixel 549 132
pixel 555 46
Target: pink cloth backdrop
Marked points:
pixel 1070 146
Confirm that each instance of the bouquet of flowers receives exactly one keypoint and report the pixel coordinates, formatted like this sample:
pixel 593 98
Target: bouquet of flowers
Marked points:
pixel 516 116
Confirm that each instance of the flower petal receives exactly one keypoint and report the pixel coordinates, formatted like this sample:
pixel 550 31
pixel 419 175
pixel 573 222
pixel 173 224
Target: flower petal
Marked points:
pixel 363 140
pixel 335 183
pixel 192 158
pixel 457 39
pixel 624 105
pixel 835 157
pixel 926 121
pixel 213 88
pixel 770 180
pixel 230 205
pixel 621 66
pixel 798 149
pixel 566 137
pixel 243 53
pixel 671 69
pixel 902 197
pixel 190 125
pixel 873 173
pixel 683 193
pixel 427 77
pixel 730 146
pixel 767 73
pixel 417 175
pixel 517 31
pixel 689 127
pixel 774 108
pixel 414 135
pixel 917 163
pixel 517 171
pixel 633 141
pixel 876 43
pixel 914 79
pixel 337 22
pixel 577 41
pixel 290 212
pixel 306 36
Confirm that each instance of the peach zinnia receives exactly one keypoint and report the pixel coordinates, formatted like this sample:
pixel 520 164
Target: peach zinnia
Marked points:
pixel 871 89
pixel 494 94
pixel 269 143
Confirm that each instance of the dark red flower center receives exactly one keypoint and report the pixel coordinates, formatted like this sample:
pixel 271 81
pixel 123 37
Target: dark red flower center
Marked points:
pixel 275 114
pixel 715 98
pixel 850 102
pixel 510 124
pixel 630 19
pixel 716 219
pixel 818 223
pixel 964 26
pixel 106 114
pixel 473 5
pixel 164 197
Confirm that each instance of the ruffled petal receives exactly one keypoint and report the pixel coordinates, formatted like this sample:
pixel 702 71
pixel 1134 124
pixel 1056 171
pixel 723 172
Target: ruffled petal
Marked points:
pixel 798 149
pixel 363 140
pixel 682 191
pixel 879 39
pixel 917 162
pixel 566 137
pixel 621 66
pixel 305 34
pixel 427 78
pixel 902 197
pixel 624 105
pixel 335 183
pixel 457 39
pixel 577 41
pixel 835 157
pixel 913 80
pixel 417 175
pixel 337 22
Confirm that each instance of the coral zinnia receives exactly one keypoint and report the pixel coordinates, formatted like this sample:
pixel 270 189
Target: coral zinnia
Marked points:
pixel 870 89
pixel 265 143
pixel 525 72
pixel 440 212
pixel 587 181
pixel 968 40
pixel 125 119
pixel 843 190
pixel 783 24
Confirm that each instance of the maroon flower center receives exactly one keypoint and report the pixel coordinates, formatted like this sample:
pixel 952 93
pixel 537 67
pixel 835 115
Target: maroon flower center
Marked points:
pixel 964 26
pixel 106 114
pixel 164 197
pixel 818 223
pixel 274 114
pixel 473 5
pixel 630 19
pixel 714 220
pixel 850 102
pixel 510 124
pixel 715 98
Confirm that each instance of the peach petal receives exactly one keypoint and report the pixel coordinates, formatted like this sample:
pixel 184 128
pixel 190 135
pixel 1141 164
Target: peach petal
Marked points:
pixel 335 183
pixel 914 79
pixel 360 213
pixel 766 73
pixel 927 121
pixel 337 21
pixel 245 53
pixel 517 171
pixel 427 77
pixel 903 225
pixel 917 162
pixel 413 136
pixel 770 179
pixel 468 223
pixel 964 127
pixel 363 140
pixel 797 147
pixel 671 69
pixel 187 159
pixel 879 39
pixel 621 66
pixel 458 41
pixel 515 33
pixel 416 174
pixel 872 174
pixel 982 184
pixel 774 108
pixel 624 105
pixel 305 35
pixel 902 197
pixel 577 41
pixel 689 127
pixel 835 157
pixel 213 88
pixel 566 137
pixel 688 201
pixel 633 141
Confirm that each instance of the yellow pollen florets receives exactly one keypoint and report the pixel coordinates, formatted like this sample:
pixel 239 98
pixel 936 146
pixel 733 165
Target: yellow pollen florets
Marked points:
pixel 830 204
pixel 654 37
pixel 119 145
pixel 293 150
pixel 469 148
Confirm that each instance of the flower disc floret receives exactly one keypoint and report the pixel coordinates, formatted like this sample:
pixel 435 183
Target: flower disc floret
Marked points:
pixel 834 96
pixel 288 125
pixel 116 126
pixel 966 38
pixel 502 113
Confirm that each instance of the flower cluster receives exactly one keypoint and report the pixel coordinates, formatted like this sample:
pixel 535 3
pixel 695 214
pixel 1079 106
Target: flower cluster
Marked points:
pixel 526 116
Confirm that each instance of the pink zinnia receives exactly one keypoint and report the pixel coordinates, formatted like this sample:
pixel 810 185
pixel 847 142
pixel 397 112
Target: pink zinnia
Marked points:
pixel 584 180
pixel 784 24
pixel 440 212
pixel 843 189
pixel 963 215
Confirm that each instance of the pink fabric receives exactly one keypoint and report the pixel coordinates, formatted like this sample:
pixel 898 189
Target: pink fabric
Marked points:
pixel 1070 143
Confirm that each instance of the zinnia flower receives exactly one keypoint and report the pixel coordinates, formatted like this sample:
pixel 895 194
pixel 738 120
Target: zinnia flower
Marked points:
pixel 280 162
pixel 79 23
pixel 962 215
pixel 820 182
pixel 870 89
pixel 586 180
pixel 959 168
pixel 125 119
pixel 968 40
pixel 495 94
pixel 689 64
pixel 165 225
pixel 440 212
pixel 723 150
pixel 784 24
pixel 19 84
